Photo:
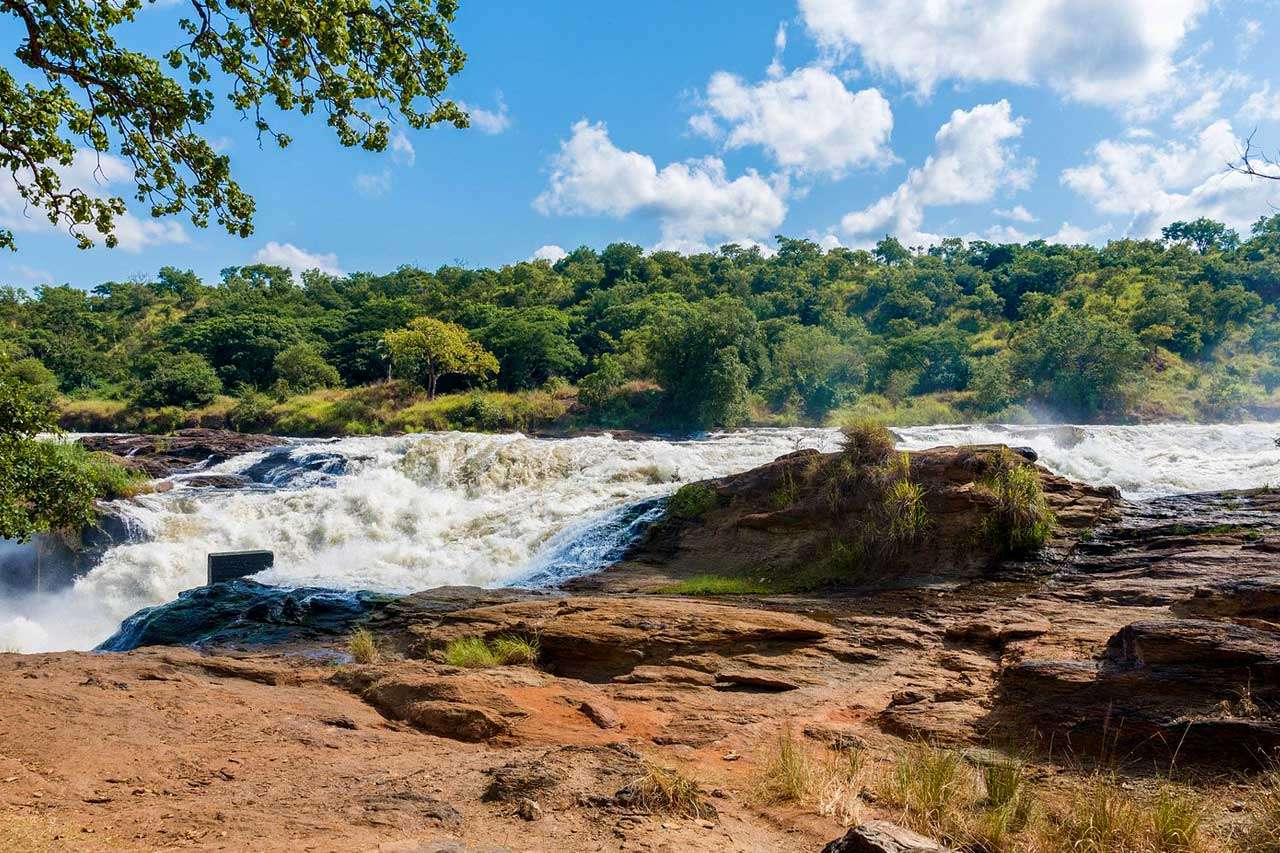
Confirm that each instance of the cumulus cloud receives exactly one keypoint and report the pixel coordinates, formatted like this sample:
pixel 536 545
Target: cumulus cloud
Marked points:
pixel 1114 52
pixel 693 201
pixel 491 122
pixel 807 120
pixel 549 252
pixel 299 260
pixel 98 175
pixel 973 160
pixel 1154 185
pixel 1250 33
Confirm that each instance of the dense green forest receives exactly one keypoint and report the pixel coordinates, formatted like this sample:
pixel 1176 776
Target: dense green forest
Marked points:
pixel 1178 328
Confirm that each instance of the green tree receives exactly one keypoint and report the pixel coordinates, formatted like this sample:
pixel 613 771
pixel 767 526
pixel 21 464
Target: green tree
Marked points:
pixel 43 488
pixel 1077 362
pixel 429 349
pixel 358 62
pixel 704 358
pixel 531 345
pixel 182 379
pixel 300 369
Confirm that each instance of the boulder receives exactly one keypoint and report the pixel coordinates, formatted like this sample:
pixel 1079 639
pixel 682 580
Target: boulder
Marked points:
pixel 162 455
pixel 880 836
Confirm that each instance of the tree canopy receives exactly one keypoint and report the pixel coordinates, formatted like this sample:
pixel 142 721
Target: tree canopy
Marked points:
pixel 80 95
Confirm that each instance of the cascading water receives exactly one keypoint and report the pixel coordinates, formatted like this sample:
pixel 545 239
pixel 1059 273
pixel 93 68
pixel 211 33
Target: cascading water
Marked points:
pixel 408 513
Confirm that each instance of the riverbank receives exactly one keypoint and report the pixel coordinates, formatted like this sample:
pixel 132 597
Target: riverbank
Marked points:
pixel 391 408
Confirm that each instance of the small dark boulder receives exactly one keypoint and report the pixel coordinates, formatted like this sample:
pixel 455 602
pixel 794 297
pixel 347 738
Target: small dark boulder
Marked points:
pixel 880 836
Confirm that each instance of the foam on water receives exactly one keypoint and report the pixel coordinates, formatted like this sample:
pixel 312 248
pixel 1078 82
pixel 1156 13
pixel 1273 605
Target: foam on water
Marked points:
pixel 412 512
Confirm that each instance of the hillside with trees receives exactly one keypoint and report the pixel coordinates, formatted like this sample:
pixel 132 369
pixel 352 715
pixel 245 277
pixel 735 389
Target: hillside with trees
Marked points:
pixel 1179 328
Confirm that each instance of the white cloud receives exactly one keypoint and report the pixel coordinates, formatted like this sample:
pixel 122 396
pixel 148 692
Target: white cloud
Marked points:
pixel 1155 185
pixel 776 68
pixel 299 260
pixel 373 184
pixel 97 175
pixel 30 275
pixel 1073 235
pixel 549 252
pixel 402 150
pixel 1114 52
pixel 1262 105
pixel 973 160
pixel 693 201
pixel 1199 111
pixel 1015 214
pixel 491 122
pixel 807 120
pixel 1250 32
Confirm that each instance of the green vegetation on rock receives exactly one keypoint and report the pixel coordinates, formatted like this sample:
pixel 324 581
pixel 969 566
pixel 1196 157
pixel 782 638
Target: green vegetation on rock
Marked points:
pixel 692 501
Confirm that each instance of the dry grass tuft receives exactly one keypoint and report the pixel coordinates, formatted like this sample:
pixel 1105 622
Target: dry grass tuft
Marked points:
pixel 362 646
pixel 1261 832
pixel 866 442
pixel 662 790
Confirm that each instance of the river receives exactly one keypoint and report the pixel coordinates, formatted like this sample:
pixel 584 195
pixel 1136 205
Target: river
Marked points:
pixel 410 512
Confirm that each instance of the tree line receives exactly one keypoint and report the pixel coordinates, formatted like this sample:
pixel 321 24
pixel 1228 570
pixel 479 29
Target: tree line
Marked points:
pixel 1182 326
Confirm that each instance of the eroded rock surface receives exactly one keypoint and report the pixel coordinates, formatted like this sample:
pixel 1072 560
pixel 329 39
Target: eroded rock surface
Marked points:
pixel 162 455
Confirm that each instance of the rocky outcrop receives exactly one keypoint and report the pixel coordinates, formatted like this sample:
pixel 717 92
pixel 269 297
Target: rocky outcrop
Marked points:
pixel 162 455
pixel 787 516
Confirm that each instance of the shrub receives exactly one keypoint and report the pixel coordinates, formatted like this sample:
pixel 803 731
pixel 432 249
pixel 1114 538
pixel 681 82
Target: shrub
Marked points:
pixel 866 442
pixel 251 411
pixel 1020 521
pixel 184 379
pixel 300 369
pixel 692 500
pixel 362 646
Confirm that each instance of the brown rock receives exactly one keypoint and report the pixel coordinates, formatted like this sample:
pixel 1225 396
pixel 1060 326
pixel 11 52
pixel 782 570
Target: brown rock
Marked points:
pixel 880 836
pixel 601 714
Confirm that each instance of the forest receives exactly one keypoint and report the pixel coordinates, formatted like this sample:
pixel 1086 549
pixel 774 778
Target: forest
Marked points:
pixel 1179 328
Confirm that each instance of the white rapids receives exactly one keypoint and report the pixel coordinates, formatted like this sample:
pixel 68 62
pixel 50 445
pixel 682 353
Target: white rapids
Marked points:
pixel 412 512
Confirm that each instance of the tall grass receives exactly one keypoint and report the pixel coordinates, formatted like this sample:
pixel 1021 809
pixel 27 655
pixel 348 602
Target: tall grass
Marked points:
pixel 1020 521
pixel 362 646
pixel 1261 832
pixel 479 653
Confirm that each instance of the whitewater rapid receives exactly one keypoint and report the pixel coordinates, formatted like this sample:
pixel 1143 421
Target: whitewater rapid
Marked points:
pixel 412 512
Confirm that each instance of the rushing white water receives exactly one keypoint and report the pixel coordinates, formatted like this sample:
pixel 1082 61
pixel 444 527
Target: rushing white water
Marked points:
pixel 412 512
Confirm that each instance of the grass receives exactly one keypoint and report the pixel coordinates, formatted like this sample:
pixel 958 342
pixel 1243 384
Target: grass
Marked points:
pixel 786 493
pixel 930 785
pixel 866 442
pixel 1021 521
pixel 661 790
pixel 362 646
pixel 718 585
pixel 831 785
pixel 692 501
pixel 1261 831
pixel 479 653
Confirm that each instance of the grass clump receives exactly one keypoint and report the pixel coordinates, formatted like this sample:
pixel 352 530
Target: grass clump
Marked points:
pixel 717 585
pixel 786 493
pixel 1021 520
pixel 832 786
pixel 905 516
pixel 1176 817
pixel 479 653
pixel 362 646
pixel 661 790
pixel 692 500
pixel 866 442
pixel 930 785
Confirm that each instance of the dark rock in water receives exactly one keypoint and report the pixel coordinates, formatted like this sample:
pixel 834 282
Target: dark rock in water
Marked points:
pixel 213 481
pixel 286 467
pixel 162 455
pixel 243 612
pixel 1027 453
pixel 49 562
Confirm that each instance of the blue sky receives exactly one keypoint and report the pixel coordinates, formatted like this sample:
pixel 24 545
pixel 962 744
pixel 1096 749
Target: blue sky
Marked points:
pixel 686 125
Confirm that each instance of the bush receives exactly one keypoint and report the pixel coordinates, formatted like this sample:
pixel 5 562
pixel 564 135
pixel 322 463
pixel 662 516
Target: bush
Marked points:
pixel 866 442
pixel 184 379
pixel 252 411
pixel 692 500
pixel 300 369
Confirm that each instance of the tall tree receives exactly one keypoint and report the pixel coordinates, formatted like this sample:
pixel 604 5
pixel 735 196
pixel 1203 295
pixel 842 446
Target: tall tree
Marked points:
pixel 92 98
